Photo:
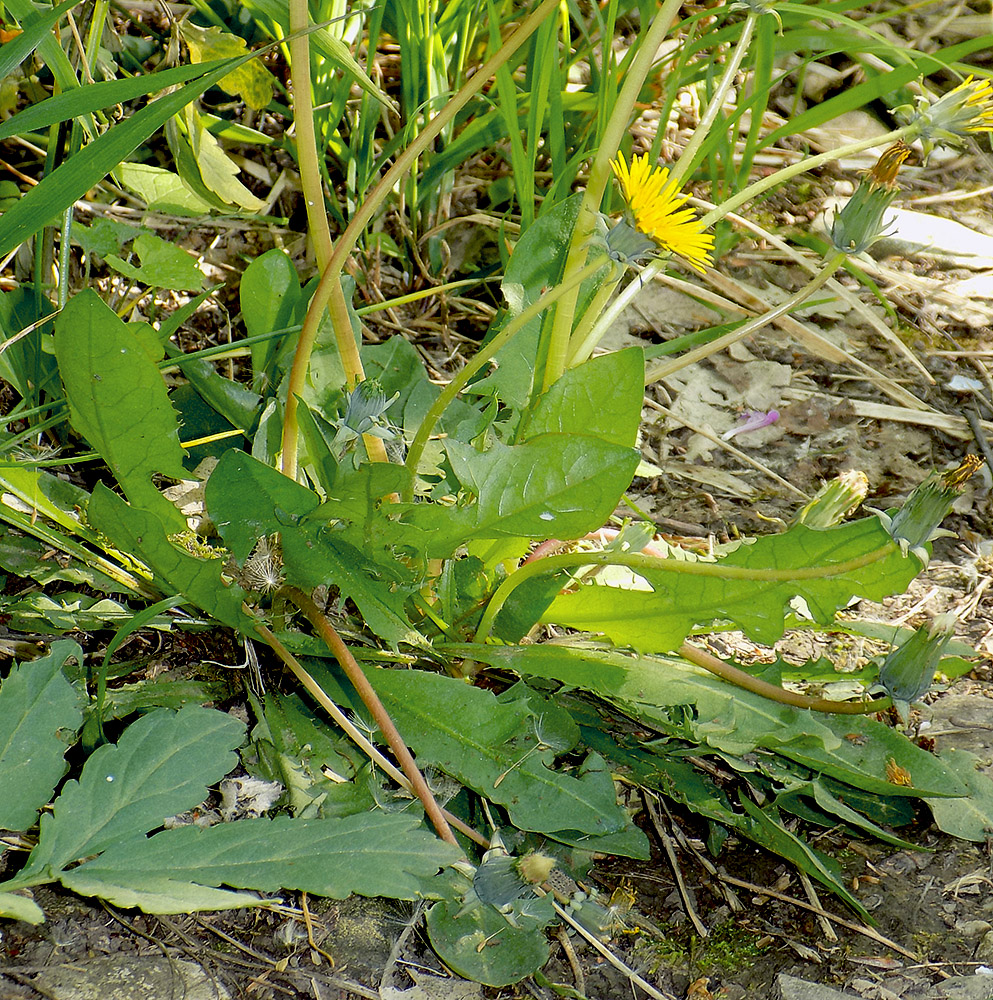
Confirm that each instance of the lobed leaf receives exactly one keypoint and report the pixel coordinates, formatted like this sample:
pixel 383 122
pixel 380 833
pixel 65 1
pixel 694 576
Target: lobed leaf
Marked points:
pixel 372 854
pixel 493 747
pixel 829 567
pixel 162 764
pixel 40 715
pixel 118 402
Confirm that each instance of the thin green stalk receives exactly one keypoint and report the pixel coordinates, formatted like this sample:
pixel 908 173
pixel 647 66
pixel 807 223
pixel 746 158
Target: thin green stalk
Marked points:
pixel 482 356
pixel 376 708
pixel 610 142
pixel 665 368
pixel 640 561
pixel 329 293
pixel 303 118
pixel 685 163
pixel 606 319
pixel 587 334
pixel 801 167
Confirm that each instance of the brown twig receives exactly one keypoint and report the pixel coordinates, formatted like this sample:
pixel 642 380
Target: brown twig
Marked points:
pixel 775 693
pixel 658 827
pixel 376 708
pixel 820 911
pixel 346 724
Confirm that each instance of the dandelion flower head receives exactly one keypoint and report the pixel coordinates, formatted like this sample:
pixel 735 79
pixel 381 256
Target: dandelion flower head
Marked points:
pixel 655 203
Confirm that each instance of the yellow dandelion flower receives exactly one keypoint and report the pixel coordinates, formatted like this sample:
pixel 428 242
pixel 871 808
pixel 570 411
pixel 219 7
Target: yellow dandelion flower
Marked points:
pixel 976 109
pixel 968 108
pixel 654 201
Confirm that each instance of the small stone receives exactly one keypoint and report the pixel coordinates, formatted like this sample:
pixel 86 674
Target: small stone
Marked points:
pixel 966 988
pixel 973 928
pixel 984 950
pixel 791 988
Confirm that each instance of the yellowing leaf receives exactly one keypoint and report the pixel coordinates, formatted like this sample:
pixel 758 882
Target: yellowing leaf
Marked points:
pixel 217 170
pixel 252 82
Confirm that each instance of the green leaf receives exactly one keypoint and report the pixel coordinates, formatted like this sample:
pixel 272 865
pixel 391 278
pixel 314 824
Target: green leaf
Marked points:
pixel 602 398
pixel 40 715
pixel 766 828
pixel 346 541
pixel 162 190
pixel 162 764
pixel 553 486
pixel 70 181
pixel 118 402
pixel 82 100
pixel 825 567
pixel 271 299
pixel 482 945
pixel 198 579
pixel 163 265
pixel 216 169
pixel 372 854
pixel 252 81
pixel 15 907
pixel 493 747
pixel 731 719
pixel 971 816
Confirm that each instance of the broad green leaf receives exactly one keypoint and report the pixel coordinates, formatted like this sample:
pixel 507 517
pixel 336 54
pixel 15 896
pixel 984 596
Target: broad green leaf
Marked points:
pixel 162 190
pixel 372 854
pixel 217 170
pixel 482 945
pixel 118 402
pixel 600 398
pixel 248 499
pixel 40 715
pixel 197 578
pixel 15 907
pixel 492 747
pixel 163 265
pixel 825 567
pixel 162 764
pixel 732 719
pixel 348 541
pixel 70 181
pixel 271 299
pixel 971 816
pixel 553 486
pixel 252 81
pixel 155 892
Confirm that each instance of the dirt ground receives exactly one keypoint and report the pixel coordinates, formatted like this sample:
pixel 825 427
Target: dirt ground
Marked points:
pixel 933 908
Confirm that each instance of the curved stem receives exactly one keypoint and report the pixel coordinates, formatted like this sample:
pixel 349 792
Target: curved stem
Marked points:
pixel 666 368
pixel 638 561
pixel 685 163
pixel 775 693
pixel 378 711
pixel 372 752
pixel 589 331
pixel 303 118
pixel 329 292
pixel 483 356
pixel 610 142
pixel 801 167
